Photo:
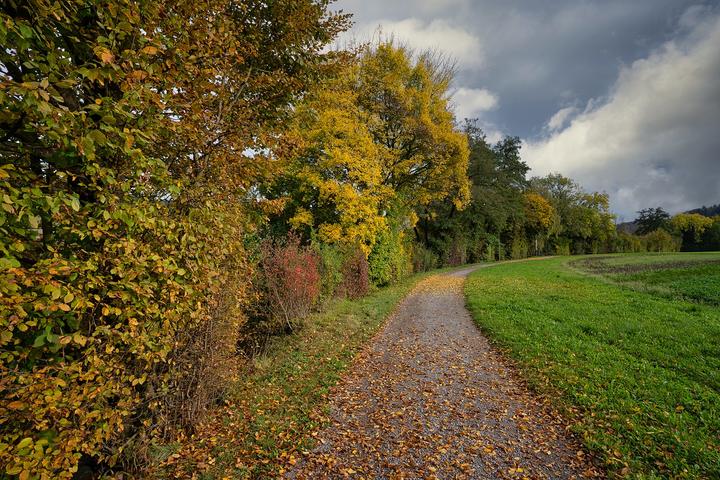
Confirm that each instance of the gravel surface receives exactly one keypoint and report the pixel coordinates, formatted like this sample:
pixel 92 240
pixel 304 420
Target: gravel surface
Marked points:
pixel 429 398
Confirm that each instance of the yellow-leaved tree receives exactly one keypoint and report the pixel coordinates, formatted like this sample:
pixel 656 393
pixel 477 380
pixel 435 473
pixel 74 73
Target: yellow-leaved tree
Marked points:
pixel 407 99
pixel 540 217
pixel 333 184
pixel 691 225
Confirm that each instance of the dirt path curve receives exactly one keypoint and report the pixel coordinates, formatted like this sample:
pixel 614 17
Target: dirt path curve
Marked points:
pixel 429 398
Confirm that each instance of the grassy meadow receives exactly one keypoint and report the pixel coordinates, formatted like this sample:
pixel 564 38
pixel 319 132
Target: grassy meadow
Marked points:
pixel 627 346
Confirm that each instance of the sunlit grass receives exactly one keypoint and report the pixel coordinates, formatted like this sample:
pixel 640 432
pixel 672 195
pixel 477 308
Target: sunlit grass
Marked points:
pixel 638 372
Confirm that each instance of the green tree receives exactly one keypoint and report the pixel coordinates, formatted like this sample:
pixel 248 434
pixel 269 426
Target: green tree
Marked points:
pixel 651 219
pixel 585 222
pixel 496 211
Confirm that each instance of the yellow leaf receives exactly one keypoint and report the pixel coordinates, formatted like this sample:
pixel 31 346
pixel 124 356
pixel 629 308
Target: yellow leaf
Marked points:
pixel 105 55
pixel 16 405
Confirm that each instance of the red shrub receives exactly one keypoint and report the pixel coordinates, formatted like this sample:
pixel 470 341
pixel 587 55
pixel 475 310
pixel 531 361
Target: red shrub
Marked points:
pixel 356 279
pixel 292 278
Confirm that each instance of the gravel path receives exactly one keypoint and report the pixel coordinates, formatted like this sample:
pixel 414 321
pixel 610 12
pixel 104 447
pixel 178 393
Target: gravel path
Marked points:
pixel 429 398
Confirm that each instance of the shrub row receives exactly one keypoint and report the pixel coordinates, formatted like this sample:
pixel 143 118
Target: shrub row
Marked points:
pixel 296 279
pixel 124 274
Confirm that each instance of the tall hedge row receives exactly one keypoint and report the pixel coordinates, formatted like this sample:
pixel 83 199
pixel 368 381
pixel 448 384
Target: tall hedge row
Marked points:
pixel 125 196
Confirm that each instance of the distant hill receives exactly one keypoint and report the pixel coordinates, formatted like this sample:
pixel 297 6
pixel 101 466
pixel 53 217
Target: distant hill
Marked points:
pixel 707 211
pixel 711 211
pixel 627 227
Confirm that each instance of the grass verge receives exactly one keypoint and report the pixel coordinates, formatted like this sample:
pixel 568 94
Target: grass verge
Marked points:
pixel 270 414
pixel 637 373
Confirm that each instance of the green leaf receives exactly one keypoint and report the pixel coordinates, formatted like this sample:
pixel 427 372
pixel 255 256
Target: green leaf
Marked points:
pixel 98 137
pixel 8 262
pixel 34 221
pixel 39 341
pixel 25 31
pixel 55 292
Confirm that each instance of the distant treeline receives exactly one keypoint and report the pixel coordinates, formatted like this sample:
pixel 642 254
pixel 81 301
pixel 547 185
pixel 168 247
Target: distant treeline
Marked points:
pixel 712 211
pixel 695 230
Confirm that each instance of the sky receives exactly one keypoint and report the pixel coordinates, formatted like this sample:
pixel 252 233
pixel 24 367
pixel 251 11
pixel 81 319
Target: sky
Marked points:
pixel 622 96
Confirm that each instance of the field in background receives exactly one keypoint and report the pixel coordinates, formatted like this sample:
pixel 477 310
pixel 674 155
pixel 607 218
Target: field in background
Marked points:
pixel 628 347
pixel 683 276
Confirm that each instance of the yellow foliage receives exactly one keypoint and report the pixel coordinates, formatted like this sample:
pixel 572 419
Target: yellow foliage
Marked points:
pixel 338 167
pixel 691 222
pixel 424 157
pixel 301 217
pixel 330 233
pixel 539 213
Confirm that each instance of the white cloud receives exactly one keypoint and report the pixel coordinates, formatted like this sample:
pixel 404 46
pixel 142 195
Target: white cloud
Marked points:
pixel 437 34
pixel 472 102
pixel 560 118
pixel 655 139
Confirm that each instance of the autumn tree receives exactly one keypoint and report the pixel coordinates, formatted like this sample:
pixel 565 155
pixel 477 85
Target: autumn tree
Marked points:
pixel 406 98
pixel 690 226
pixel 539 216
pixel 333 185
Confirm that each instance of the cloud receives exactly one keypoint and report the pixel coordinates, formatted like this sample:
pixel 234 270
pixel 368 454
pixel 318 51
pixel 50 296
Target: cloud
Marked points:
pixel 473 102
pixel 560 118
pixel 654 140
pixel 646 134
pixel 436 34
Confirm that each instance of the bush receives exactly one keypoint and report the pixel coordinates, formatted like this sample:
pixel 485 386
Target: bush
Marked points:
pixel 628 243
pixel 661 241
pixel 562 246
pixel 388 261
pixel 332 258
pixel 123 273
pixel 292 280
pixel 356 279
pixel 114 269
pixel 423 259
pixel 455 252
pixel 476 249
pixel 518 247
pixel 493 248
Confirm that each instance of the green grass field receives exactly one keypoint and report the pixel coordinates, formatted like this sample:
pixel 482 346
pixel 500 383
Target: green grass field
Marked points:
pixel 683 276
pixel 627 346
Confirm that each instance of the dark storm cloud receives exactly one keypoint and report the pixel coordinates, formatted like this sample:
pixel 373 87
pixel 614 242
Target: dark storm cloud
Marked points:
pixel 552 72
